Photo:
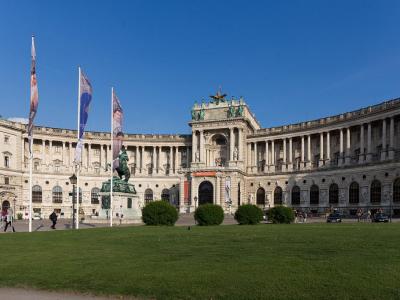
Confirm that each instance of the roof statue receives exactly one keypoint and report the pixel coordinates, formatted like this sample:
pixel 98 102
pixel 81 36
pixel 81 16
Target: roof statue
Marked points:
pixel 218 97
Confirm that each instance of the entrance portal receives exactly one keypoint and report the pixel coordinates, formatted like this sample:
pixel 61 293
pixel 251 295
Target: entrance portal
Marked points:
pixel 5 205
pixel 206 193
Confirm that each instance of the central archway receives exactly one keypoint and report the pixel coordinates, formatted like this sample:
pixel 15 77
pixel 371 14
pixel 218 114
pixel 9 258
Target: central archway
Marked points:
pixel 206 193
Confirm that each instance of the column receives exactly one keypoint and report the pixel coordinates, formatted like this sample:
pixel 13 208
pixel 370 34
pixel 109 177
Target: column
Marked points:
pixel 341 147
pixel 101 158
pixel 361 157
pixel 290 166
pixel 272 165
pixel 194 146
pixel 308 163
pixel 248 156
pixel 255 157
pixel 218 199
pixel 176 159
pixel 63 158
pixel 266 156
pixel 71 155
pixel 321 149
pixel 141 161
pixel 369 143
pixel 348 145
pixel 284 155
pixel 302 153
pixel 43 152
pixel 240 144
pixel 231 142
pixel 391 138
pixel 201 146
pixel 154 160
pixel 383 153
pixel 187 157
pixel 328 147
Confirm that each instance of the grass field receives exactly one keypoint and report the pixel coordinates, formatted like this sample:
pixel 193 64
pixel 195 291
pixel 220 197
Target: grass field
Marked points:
pixel 303 261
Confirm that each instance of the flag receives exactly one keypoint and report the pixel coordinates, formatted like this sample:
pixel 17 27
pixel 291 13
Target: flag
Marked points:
pixel 85 97
pixel 34 95
pixel 118 135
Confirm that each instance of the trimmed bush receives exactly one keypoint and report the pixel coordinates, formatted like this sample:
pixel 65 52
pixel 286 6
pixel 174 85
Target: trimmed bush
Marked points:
pixel 19 216
pixel 159 213
pixel 209 214
pixel 249 214
pixel 281 215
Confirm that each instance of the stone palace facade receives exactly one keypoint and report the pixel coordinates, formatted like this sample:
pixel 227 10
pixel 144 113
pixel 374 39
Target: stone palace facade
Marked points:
pixel 347 161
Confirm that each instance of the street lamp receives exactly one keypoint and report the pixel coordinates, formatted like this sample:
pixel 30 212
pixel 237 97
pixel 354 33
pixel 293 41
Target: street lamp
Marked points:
pixel 73 181
pixel 15 200
pixel 391 205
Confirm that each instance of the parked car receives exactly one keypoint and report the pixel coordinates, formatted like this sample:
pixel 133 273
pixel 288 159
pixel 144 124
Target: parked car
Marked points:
pixel 334 218
pixel 380 217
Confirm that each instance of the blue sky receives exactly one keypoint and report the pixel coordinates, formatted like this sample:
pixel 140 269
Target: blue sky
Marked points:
pixel 291 60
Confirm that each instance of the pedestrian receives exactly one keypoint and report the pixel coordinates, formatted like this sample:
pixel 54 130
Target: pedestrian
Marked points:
pixel 359 214
pixel 304 217
pixel 53 218
pixel 369 215
pixel 9 220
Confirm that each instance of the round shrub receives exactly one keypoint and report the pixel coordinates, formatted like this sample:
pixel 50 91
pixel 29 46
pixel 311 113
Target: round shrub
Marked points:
pixel 249 214
pixel 209 214
pixel 159 213
pixel 281 215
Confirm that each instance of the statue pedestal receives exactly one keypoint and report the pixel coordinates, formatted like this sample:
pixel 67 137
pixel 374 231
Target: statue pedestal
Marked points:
pixel 126 205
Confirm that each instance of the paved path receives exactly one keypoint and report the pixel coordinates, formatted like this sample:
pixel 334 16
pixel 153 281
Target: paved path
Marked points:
pixel 184 220
pixel 30 294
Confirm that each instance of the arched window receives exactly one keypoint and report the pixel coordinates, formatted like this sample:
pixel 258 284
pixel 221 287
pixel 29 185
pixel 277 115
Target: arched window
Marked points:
pixel 57 194
pixel 36 194
pixel 165 195
pixel 148 195
pixel 333 193
pixel 376 191
pixel 354 193
pixel 260 196
pixel 295 195
pixel 278 196
pixel 94 195
pixel 396 190
pixel 314 194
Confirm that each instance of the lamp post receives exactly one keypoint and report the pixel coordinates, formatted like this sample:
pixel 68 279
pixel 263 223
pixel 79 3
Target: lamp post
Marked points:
pixel 15 200
pixel 391 205
pixel 73 181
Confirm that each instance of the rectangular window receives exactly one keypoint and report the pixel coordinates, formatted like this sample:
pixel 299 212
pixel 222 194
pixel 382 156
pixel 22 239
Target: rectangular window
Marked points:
pixel 57 149
pixel 6 161
pixel 36 166
pixel 57 168
pixel 6 139
pixel 96 152
pixel 97 170
pixel 6 180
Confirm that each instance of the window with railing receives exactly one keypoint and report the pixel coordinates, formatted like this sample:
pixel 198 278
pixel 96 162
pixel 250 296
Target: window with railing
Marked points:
pixel 36 194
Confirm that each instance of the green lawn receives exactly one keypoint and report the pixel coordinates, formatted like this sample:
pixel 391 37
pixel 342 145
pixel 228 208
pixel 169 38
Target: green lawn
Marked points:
pixel 303 261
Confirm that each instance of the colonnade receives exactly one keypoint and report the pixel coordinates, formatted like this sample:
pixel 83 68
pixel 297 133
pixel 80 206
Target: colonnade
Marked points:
pixel 96 157
pixel 323 148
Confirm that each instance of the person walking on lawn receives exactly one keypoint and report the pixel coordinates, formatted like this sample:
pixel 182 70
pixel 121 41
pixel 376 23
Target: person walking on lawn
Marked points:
pixel 9 220
pixel 53 218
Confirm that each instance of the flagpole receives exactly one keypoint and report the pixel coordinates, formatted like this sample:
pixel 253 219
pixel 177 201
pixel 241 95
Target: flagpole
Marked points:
pixel 112 159
pixel 80 153
pixel 30 184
